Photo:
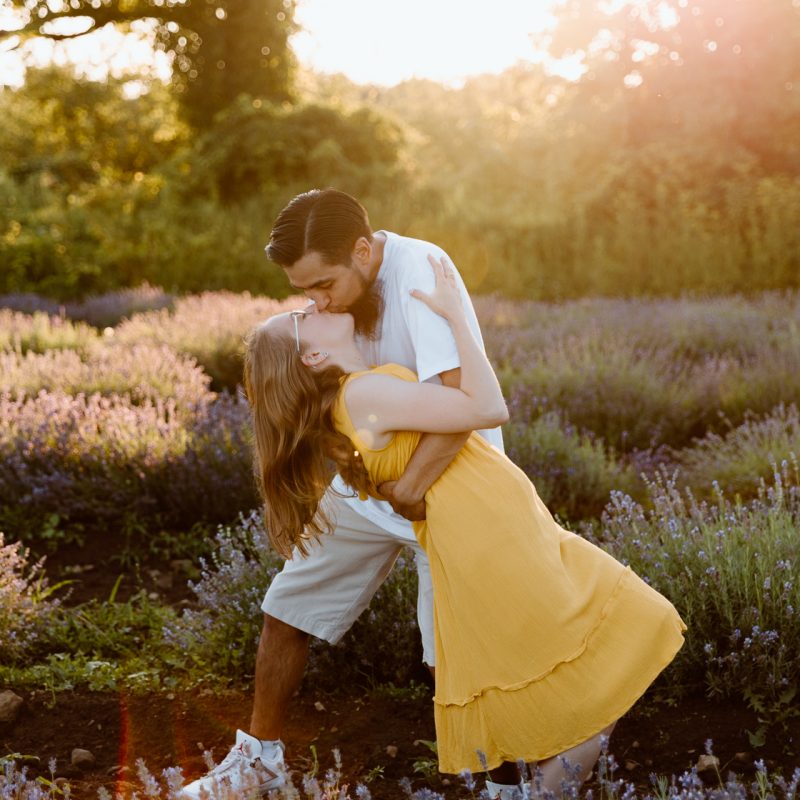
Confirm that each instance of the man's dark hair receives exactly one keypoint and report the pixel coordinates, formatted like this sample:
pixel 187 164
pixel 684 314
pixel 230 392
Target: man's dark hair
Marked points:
pixel 324 221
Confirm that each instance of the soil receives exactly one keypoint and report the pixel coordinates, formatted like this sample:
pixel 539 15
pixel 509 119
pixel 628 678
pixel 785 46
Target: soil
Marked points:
pixel 95 569
pixel 175 729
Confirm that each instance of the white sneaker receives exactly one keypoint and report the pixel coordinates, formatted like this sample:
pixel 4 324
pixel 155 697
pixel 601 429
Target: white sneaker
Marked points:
pixel 249 770
pixel 504 791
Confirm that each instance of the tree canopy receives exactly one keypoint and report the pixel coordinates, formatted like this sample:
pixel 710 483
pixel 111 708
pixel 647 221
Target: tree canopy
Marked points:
pixel 219 48
pixel 716 72
pixel 672 164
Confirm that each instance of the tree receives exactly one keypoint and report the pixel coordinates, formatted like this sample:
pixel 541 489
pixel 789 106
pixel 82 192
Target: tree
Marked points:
pixel 723 73
pixel 69 132
pixel 220 48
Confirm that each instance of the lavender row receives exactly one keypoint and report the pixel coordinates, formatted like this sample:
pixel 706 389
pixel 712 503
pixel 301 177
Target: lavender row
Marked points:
pixel 599 390
pixel 637 398
pixel 686 327
pixel 40 332
pixel 209 327
pixel 102 465
pixel 141 372
pixel 729 567
pixel 100 311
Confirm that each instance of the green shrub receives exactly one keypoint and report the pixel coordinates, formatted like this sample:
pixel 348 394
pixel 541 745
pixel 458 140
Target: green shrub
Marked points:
pixel 102 645
pixel 741 459
pixel 574 473
pixel 113 631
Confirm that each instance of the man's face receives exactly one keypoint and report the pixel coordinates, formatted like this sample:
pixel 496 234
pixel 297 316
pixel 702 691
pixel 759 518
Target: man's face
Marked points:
pixel 333 288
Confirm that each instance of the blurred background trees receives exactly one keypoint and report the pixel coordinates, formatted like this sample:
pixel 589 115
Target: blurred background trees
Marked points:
pixel 219 48
pixel 671 165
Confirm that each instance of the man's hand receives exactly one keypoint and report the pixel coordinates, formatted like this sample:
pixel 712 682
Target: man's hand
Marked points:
pixel 411 508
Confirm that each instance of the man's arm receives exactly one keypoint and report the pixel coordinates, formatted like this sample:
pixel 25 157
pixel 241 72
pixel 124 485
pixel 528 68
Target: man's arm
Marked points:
pixel 433 455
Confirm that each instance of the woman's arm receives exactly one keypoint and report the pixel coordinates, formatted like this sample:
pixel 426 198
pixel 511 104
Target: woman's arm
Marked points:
pixel 382 404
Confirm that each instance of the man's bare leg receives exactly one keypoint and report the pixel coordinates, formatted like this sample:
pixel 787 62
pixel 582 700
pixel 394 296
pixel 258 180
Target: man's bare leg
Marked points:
pixel 280 665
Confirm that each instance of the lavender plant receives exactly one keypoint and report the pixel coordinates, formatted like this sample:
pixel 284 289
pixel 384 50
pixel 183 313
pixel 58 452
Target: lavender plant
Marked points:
pixel 574 473
pixel 100 311
pixel 210 327
pixel 634 397
pixel 732 388
pixel 17 782
pixel 731 570
pixel 109 309
pixel 101 464
pixel 692 328
pixel 648 373
pixel 27 609
pixel 741 459
pixel 41 332
pixel 140 372
pixel 29 302
pixel 219 638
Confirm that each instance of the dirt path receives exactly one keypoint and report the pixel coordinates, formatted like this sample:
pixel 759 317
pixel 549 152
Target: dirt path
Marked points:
pixel 168 730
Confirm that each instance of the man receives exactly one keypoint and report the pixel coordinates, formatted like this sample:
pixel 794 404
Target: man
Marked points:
pixel 324 243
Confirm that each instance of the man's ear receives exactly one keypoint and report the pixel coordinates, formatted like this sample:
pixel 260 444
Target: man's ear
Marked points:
pixel 314 359
pixel 362 250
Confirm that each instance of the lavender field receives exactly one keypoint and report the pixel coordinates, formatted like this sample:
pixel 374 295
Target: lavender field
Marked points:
pixel 665 430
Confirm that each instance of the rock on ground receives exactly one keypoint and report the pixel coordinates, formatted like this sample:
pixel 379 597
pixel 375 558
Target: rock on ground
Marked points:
pixel 83 759
pixel 10 704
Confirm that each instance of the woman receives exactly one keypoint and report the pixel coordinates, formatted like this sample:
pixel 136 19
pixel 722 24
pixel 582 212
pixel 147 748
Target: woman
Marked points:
pixel 542 640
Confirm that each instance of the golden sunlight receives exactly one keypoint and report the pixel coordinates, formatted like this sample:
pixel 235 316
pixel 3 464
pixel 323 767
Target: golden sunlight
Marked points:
pixel 370 41
pixel 387 42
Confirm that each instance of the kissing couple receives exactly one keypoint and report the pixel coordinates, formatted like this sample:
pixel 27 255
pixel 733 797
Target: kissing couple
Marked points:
pixel 376 399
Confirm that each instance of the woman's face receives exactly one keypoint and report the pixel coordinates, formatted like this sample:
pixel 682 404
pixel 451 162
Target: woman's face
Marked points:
pixel 316 330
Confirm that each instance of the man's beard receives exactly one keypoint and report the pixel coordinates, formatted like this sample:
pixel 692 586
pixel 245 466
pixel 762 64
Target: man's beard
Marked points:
pixel 367 310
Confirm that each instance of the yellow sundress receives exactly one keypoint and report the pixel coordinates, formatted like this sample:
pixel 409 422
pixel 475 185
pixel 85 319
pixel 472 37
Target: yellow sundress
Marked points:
pixel 542 639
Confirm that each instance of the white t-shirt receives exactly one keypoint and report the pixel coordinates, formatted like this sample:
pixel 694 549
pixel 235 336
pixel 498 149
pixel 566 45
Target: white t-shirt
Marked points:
pixel 414 336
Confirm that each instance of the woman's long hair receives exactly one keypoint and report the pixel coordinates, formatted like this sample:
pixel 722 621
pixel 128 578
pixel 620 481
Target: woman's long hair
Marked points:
pixel 297 448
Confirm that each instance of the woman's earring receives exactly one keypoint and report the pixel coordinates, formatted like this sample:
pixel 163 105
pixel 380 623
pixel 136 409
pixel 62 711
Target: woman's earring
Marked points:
pixel 314 359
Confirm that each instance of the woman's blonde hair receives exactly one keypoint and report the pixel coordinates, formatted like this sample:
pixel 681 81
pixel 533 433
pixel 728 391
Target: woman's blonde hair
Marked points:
pixel 297 448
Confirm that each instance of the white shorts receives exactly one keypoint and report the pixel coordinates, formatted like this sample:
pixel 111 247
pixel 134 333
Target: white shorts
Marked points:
pixel 324 593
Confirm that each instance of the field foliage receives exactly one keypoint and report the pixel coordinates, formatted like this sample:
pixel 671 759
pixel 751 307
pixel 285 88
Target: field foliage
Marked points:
pixel 669 165
pixel 666 431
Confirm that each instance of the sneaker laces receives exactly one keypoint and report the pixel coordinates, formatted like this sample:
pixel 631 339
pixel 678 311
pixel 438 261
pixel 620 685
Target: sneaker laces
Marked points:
pixel 235 757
